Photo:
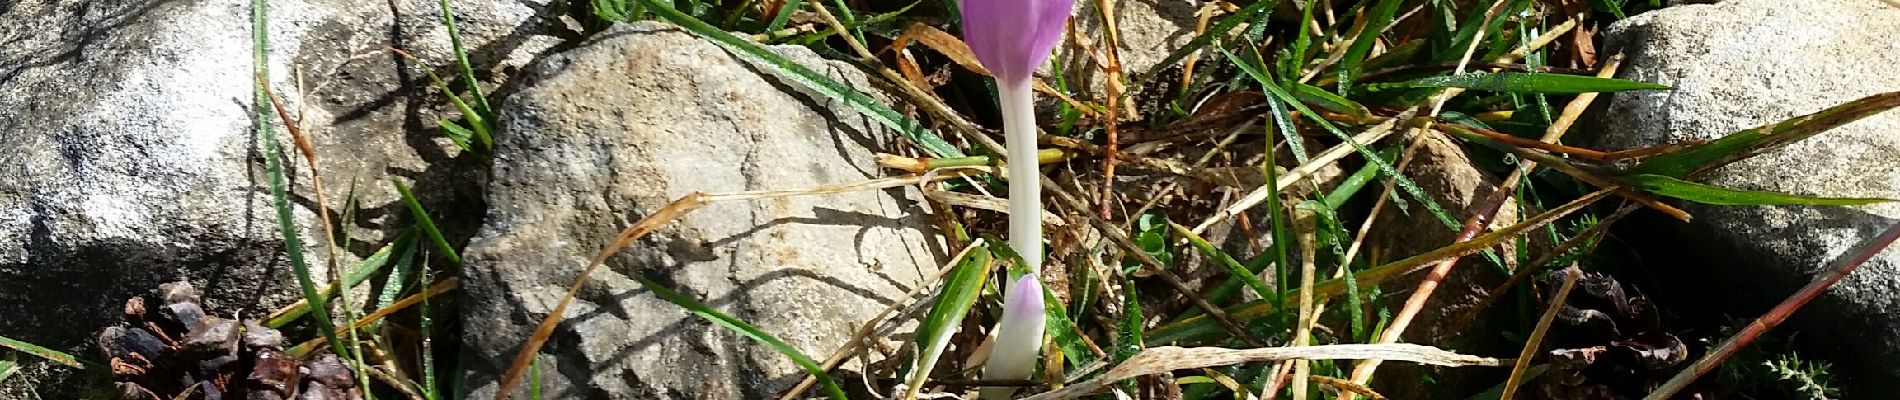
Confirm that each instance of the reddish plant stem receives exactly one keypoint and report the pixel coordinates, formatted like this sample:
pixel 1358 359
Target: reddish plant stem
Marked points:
pixel 1843 266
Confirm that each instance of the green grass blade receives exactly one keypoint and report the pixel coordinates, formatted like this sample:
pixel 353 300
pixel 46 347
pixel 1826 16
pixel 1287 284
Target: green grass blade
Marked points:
pixel 1128 342
pixel 1411 188
pixel 1062 331
pixel 430 389
pixel 427 224
pixel 1522 82
pixel 850 19
pixel 456 134
pixel 461 60
pixel 809 39
pixel 477 122
pixel 1329 101
pixel 1357 181
pixel 747 330
pixel 1753 141
pixel 1233 266
pixel 1201 327
pixel 1474 23
pixel 784 15
pixel 534 378
pixel 1705 194
pixel 820 83
pixel 1352 64
pixel 393 284
pixel 1281 118
pixel 369 266
pixel 274 169
pixel 959 294
pixel 617 10
pixel 1293 61
pixel 41 352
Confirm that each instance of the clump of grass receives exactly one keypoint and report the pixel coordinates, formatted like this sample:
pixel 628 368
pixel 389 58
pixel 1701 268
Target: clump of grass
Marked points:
pixel 1357 74
pixel 1352 85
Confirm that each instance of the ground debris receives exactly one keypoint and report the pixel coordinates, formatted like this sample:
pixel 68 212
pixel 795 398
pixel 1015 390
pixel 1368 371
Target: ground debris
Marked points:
pixel 181 352
pixel 1608 343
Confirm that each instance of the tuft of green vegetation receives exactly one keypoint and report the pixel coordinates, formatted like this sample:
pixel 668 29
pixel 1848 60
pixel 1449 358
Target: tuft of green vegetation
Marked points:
pixel 1334 98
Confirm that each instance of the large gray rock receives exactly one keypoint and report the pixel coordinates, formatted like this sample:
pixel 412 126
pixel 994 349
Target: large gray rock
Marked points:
pixel 129 154
pixel 607 133
pixel 1744 63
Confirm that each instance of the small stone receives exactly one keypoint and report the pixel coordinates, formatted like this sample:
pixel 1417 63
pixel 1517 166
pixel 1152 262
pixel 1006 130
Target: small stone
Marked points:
pixel 327 378
pixel 179 292
pixel 212 336
pixel 187 314
pixel 273 376
pixel 259 337
pixel 329 371
pixel 131 344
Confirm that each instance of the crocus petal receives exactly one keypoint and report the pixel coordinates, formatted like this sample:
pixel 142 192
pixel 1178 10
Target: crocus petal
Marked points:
pixel 1012 37
pixel 1018 336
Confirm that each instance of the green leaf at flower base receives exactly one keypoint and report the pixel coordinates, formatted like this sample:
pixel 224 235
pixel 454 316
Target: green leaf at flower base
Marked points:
pixel 9 364
pixel 1062 331
pixel 1522 82
pixel 1705 194
pixel 958 295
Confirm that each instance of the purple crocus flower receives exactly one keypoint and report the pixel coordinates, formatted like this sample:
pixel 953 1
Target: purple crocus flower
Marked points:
pixel 1011 38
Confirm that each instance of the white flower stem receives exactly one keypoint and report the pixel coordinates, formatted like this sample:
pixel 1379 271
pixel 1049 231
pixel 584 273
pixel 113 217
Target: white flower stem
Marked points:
pixel 1025 176
pixel 1019 333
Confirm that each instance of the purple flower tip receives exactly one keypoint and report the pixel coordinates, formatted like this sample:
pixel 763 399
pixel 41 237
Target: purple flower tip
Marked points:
pixel 1018 336
pixel 1024 297
pixel 1012 37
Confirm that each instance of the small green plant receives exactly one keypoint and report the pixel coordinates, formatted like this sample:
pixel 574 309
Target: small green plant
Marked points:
pixel 1806 379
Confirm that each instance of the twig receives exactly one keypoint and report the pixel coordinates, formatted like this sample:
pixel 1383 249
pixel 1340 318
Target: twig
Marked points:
pixel 1156 360
pixel 1347 386
pixel 444 286
pixel 1843 266
pixel 1325 158
pixel 678 208
pixel 1537 334
pixel 1302 369
pixel 1113 68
